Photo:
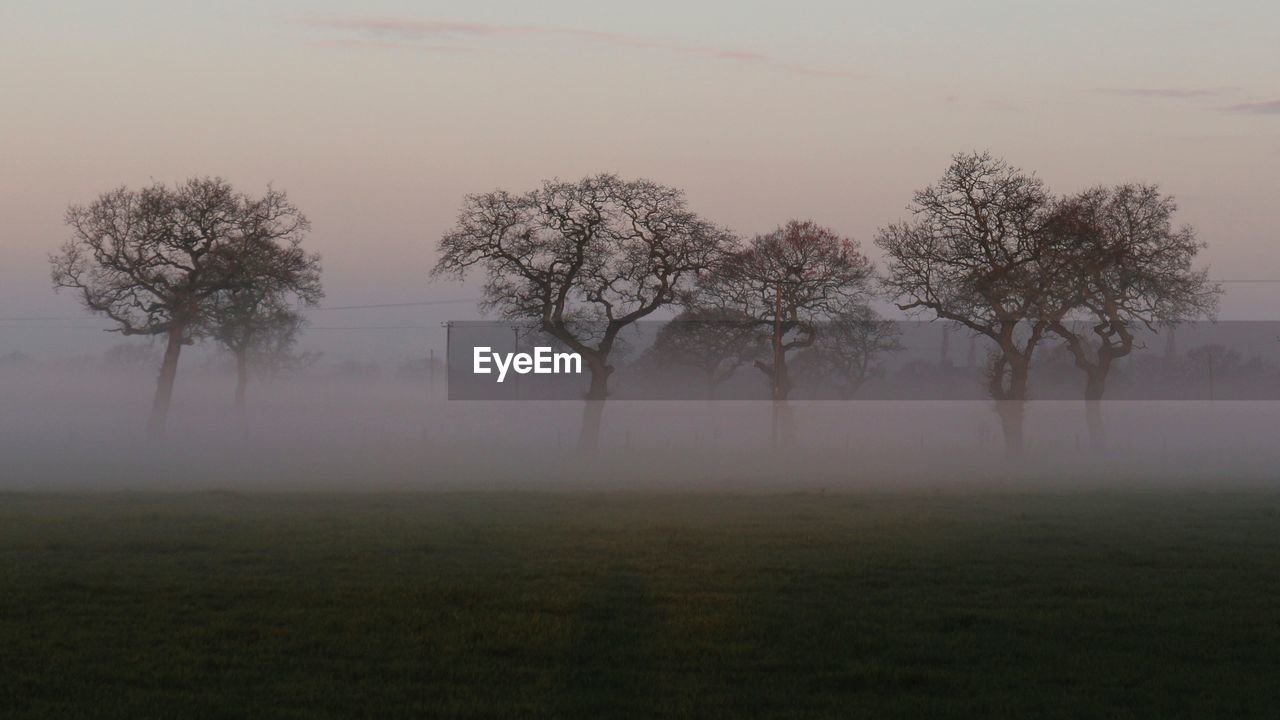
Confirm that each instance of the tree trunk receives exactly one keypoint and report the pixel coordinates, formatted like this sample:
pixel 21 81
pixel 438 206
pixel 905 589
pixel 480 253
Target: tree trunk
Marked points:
pixel 783 433
pixel 1012 409
pixel 593 410
pixel 1093 390
pixel 1011 414
pixel 164 385
pixel 242 378
pixel 781 377
pixel 784 426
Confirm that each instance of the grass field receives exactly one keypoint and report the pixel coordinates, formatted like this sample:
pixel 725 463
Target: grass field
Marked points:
pixel 914 605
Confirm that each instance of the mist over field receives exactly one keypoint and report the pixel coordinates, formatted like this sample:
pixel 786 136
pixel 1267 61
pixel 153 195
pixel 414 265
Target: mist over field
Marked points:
pixel 83 429
pixel 648 360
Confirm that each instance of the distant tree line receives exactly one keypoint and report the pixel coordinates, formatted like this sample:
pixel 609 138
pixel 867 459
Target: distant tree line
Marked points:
pixel 987 248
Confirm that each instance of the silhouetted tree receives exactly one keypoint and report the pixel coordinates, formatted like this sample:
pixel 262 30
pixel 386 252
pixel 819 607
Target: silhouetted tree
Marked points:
pixel 715 341
pixel 848 346
pixel 584 260
pixel 259 323
pixel 279 355
pixel 976 252
pixel 788 282
pixel 1210 364
pixel 260 326
pixel 153 260
pixel 1132 268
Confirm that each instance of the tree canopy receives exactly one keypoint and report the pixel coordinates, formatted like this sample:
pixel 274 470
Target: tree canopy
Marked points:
pixel 156 260
pixel 582 259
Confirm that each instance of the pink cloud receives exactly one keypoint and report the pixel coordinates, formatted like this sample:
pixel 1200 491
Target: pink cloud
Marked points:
pixel 386 32
pixel 1269 107
pixel 1162 92
pixel 388 44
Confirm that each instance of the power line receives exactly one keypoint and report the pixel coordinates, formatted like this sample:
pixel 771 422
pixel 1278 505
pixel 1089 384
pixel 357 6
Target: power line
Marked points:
pixel 454 301
pixel 309 327
pixel 417 303
pixel 392 305
pixel 376 306
pixel 369 327
pixel 50 317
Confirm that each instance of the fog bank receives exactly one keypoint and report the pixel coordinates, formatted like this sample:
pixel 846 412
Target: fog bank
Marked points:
pixel 329 429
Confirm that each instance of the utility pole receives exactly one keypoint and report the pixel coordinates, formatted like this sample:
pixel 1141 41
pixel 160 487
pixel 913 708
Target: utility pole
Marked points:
pixel 1209 355
pixel 515 349
pixel 448 348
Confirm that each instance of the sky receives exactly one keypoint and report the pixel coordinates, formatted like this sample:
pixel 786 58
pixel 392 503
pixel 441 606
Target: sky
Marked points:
pixel 378 117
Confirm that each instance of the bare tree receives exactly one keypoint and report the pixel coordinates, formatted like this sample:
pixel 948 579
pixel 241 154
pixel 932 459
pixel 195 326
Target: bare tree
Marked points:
pixel 848 346
pixel 715 341
pixel 153 260
pixel 584 260
pixel 259 323
pixel 260 326
pixel 788 282
pixel 278 354
pixel 1210 363
pixel 976 252
pixel 1132 269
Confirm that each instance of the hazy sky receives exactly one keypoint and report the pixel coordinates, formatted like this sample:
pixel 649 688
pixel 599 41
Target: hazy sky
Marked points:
pixel 377 117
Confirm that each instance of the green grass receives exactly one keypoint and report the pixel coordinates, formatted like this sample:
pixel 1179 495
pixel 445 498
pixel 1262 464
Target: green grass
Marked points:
pixel 913 605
